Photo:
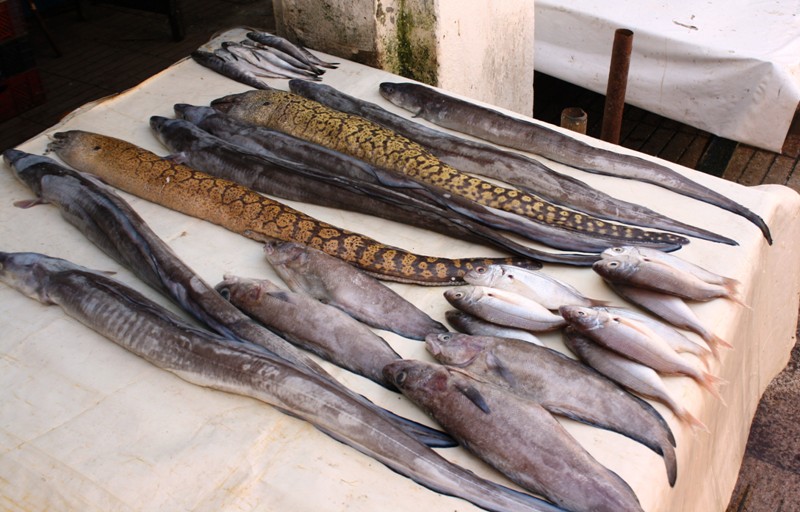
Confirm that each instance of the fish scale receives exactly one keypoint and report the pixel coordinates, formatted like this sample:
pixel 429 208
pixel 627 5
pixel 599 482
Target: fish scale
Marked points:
pixel 363 139
pixel 247 212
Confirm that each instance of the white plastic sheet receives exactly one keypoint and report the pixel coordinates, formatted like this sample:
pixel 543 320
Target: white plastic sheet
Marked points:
pixel 85 425
pixel 727 67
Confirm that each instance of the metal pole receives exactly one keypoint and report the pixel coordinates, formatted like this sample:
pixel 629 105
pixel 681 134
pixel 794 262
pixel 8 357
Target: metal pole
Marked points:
pixel 617 83
pixel 574 118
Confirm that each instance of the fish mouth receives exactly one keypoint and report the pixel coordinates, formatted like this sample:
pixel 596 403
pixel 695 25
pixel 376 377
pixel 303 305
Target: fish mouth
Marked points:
pixel 225 103
pixel 11 156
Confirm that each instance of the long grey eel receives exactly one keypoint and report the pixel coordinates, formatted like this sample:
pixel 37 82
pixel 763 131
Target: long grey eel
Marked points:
pixel 491 125
pixel 487 160
pixel 148 330
pixel 279 164
pixel 110 223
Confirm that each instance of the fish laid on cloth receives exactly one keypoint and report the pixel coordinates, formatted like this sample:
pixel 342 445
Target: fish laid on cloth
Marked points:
pixel 492 162
pixel 560 384
pixel 278 164
pixel 535 285
pixel 633 269
pixel 494 126
pixel 338 284
pixel 519 437
pixel 504 308
pixel 325 330
pixel 636 342
pixel 244 211
pixel 629 374
pixel 109 222
pixel 230 67
pixel 368 141
pixel 200 357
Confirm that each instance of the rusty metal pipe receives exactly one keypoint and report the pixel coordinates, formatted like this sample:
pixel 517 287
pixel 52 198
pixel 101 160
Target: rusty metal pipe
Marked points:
pixel 617 83
pixel 574 118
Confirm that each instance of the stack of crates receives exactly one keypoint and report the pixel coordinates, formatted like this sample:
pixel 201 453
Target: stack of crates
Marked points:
pixel 20 84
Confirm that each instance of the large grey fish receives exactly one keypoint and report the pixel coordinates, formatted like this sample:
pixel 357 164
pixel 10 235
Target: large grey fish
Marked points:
pixel 228 68
pixel 148 330
pixel 325 330
pixel 671 309
pixel 471 324
pixel 535 285
pixel 278 164
pixel 109 222
pixel 487 160
pixel 518 437
pixel 504 308
pixel 560 384
pixel 269 62
pixel 334 282
pixel 629 374
pixel 494 126
pixel 636 342
pixel 653 275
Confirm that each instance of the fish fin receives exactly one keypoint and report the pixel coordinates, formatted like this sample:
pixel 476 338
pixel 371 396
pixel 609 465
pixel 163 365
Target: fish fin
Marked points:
pixel 178 158
pixel 712 383
pixel 688 418
pixel 598 302
pixel 637 326
pixel 501 369
pixel 713 341
pixel 29 203
pixel 475 397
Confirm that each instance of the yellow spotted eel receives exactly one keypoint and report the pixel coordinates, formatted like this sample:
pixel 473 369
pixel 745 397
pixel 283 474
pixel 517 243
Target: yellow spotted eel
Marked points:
pixel 244 211
pixel 358 137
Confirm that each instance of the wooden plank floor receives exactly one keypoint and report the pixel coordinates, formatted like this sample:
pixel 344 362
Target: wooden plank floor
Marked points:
pixel 113 49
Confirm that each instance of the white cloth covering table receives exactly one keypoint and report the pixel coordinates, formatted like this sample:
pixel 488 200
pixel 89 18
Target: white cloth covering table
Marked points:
pixel 85 425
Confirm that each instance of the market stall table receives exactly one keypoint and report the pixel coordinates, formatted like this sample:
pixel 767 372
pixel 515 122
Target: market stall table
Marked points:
pixel 87 425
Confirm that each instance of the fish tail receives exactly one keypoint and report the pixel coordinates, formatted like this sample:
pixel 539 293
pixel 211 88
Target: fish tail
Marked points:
pixel 684 415
pixel 712 383
pixel 714 342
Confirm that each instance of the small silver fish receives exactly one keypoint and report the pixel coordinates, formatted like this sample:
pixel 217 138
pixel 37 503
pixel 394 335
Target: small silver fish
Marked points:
pixel 504 308
pixel 471 324
pixel 533 284
pixel 516 436
pixel 636 342
pixel 633 376
pixel 653 275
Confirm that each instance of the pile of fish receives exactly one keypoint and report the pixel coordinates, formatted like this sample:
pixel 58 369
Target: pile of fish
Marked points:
pixel 262 55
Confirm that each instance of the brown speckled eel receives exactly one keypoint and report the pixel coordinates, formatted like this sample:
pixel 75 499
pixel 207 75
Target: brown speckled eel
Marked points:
pixel 244 211
pixel 361 138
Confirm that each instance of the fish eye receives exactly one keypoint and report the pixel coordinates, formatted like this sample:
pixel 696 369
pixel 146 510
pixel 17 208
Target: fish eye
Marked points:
pixel 266 103
pixel 225 292
pixel 617 249
pixel 481 270
pixel 445 337
pixel 96 148
pixel 401 378
pixel 458 295
pixel 613 264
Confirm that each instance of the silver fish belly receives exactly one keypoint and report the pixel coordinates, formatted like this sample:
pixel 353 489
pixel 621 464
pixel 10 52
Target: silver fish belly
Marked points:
pixel 504 308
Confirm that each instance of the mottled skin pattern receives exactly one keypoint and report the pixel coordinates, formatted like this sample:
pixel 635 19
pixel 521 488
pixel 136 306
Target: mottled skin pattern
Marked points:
pixel 239 209
pixel 358 137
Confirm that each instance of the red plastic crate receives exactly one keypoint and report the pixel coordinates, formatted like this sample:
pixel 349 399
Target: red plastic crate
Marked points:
pixel 19 93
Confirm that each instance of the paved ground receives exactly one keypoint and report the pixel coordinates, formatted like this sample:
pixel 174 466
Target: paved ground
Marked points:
pixel 113 49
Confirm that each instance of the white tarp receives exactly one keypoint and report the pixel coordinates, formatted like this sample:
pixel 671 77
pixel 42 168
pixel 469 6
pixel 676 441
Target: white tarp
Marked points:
pixel 86 425
pixel 730 67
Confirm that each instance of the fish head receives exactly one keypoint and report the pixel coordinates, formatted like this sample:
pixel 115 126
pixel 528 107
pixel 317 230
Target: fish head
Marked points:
pixel 617 269
pixel 484 275
pixel 414 377
pixel 460 295
pixel 79 148
pixel 28 170
pixel 580 317
pixel 284 253
pixel 256 105
pixel 192 113
pixel 455 349
pixel 620 251
pixel 29 272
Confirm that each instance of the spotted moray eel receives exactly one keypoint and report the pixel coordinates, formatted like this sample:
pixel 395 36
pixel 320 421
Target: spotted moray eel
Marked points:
pixel 244 211
pixel 361 138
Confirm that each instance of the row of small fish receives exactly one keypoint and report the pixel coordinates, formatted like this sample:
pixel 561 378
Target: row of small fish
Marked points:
pixel 262 55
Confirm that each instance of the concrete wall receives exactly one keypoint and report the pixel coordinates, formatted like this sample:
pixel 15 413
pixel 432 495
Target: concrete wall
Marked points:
pixel 482 49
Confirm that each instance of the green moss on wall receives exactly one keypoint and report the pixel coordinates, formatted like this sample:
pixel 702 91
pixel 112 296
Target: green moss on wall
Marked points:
pixel 411 52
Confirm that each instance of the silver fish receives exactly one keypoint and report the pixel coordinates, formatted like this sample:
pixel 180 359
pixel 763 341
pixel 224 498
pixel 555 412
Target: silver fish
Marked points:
pixel 516 436
pixel 504 308
pixel 336 283
pixel 471 324
pixel 636 342
pixel 645 273
pixel 499 128
pixel 295 50
pixel 324 330
pixel 535 285
pixel 229 68
pixel 560 384
pixel 671 309
pixel 200 357
pixel 633 376
pixel 267 61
